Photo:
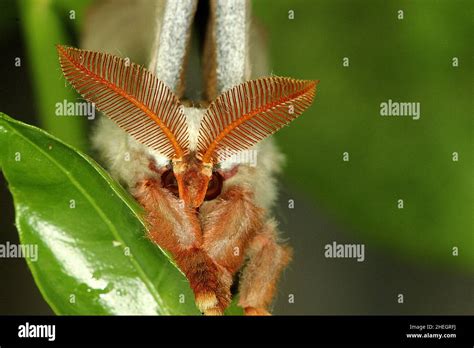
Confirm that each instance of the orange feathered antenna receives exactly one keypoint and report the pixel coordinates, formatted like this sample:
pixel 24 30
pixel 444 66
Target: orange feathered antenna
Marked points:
pixel 131 96
pixel 242 116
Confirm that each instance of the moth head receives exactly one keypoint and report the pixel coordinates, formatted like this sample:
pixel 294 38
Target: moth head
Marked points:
pixel 192 178
pixel 151 113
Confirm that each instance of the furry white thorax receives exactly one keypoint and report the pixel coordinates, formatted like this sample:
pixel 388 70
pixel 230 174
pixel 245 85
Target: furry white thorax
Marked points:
pixel 193 119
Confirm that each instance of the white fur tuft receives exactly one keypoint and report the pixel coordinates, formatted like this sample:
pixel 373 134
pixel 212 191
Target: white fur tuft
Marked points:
pixel 193 118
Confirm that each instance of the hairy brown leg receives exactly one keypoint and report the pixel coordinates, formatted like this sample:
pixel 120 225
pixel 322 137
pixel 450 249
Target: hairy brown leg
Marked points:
pixel 177 229
pixel 170 225
pixel 229 223
pixel 267 259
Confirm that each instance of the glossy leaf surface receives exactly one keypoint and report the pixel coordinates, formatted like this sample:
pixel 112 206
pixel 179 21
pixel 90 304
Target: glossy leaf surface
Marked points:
pixel 93 256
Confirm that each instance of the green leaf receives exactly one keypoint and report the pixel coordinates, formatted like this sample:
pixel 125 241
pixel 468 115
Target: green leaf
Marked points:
pixel 93 256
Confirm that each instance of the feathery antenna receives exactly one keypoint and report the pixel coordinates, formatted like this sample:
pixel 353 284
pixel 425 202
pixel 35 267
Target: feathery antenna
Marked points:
pixel 129 95
pixel 246 114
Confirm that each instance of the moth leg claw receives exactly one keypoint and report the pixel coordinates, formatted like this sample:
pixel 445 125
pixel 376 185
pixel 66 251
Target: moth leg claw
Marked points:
pixel 206 301
pixel 256 311
pixel 214 311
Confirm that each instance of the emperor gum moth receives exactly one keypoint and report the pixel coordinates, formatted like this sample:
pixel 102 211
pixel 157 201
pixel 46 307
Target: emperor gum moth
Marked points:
pixel 180 158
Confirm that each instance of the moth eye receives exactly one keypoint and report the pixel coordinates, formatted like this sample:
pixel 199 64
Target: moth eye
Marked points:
pixel 214 187
pixel 168 181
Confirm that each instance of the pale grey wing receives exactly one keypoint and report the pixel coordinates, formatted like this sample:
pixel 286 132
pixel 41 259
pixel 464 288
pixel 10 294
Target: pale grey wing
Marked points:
pixel 125 28
pixel 226 58
pixel 231 18
pixel 172 42
pixel 236 52
pixel 235 47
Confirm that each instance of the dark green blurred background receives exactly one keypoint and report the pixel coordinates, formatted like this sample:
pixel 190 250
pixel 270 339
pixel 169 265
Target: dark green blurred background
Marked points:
pixel 409 250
